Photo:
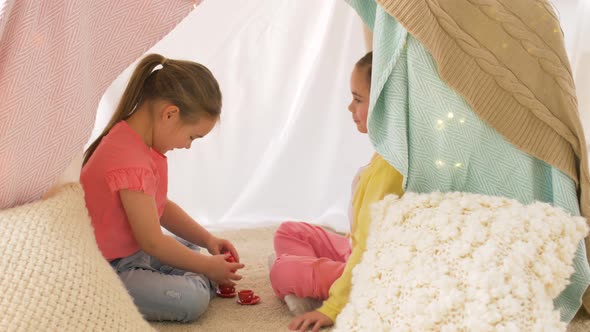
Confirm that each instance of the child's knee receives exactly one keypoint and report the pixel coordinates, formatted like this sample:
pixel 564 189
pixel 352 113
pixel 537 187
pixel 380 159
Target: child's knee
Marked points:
pixel 276 275
pixel 189 298
pixel 288 227
pixel 291 229
pixel 282 275
pixel 193 305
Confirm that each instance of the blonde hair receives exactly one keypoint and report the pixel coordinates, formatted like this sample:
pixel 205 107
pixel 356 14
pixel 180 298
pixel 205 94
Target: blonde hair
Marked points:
pixel 188 85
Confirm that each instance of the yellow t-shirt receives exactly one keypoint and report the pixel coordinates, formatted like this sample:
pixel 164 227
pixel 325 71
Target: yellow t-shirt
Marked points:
pixel 376 181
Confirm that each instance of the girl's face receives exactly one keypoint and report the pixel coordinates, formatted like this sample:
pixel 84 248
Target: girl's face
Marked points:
pixel 359 106
pixel 173 133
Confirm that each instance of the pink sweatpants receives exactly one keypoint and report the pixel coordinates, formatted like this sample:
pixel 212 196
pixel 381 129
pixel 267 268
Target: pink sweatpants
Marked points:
pixel 309 259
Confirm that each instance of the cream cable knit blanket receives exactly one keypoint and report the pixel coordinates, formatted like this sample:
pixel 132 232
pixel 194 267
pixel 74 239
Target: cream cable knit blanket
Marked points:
pixel 507 59
pixel 52 275
pixel 462 262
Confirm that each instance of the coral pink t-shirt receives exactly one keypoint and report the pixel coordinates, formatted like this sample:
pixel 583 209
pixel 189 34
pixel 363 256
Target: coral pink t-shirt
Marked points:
pixel 121 161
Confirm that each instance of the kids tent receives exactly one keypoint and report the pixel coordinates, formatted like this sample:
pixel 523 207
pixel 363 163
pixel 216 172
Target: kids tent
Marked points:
pixel 285 148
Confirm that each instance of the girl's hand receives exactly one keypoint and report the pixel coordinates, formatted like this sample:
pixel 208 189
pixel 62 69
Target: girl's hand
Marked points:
pixel 222 272
pixel 218 246
pixel 312 320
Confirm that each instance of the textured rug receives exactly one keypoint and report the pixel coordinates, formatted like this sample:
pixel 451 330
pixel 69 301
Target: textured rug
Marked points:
pixel 225 315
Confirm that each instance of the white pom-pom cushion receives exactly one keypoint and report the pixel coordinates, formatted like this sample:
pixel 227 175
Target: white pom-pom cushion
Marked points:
pixel 52 274
pixel 462 262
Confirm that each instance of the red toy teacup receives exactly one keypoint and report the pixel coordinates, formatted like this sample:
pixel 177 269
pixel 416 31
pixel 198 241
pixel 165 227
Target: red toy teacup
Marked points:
pixel 246 296
pixel 226 289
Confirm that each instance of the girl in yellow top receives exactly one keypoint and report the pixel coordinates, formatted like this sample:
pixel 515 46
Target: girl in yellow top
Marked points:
pixel 313 265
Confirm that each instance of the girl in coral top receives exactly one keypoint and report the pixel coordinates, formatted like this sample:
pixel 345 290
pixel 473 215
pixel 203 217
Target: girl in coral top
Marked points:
pixel 167 105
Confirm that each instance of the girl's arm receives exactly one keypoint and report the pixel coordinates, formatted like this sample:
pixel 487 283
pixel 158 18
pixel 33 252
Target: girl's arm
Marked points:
pixel 380 179
pixel 143 218
pixel 177 221
pixel 180 223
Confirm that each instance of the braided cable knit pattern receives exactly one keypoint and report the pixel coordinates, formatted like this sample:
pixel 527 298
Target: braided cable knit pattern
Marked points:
pixel 531 41
pixel 53 277
pixel 551 133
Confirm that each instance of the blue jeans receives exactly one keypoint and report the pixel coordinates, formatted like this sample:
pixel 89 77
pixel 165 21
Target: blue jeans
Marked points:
pixel 162 292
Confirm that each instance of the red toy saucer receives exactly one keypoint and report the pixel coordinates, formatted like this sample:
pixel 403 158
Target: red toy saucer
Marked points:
pixel 225 295
pixel 255 300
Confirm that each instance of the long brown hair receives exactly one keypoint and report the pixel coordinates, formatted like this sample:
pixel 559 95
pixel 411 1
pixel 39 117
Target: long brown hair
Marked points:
pixel 188 85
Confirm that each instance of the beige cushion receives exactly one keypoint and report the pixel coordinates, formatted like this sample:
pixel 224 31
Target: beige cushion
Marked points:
pixel 52 275
pixel 451 262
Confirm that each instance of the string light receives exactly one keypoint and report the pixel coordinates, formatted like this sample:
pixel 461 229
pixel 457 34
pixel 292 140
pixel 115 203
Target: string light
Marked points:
pixel 450 115
pixel 440 124
pixel 439 163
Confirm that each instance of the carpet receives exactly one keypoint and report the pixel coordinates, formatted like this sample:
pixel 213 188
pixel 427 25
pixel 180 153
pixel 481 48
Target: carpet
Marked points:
pixel 225 315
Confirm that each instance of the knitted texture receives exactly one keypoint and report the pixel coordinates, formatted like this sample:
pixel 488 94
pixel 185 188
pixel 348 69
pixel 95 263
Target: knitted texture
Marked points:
pixel 438 139
pixel 53 276
pixel 507 59
pixel 462 262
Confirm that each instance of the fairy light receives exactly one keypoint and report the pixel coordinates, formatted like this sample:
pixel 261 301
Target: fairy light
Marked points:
pixel 450 115
pixel 440 124
pixel 439 163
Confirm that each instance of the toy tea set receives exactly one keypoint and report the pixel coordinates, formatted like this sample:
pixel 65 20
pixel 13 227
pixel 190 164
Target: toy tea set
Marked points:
pixel 245 296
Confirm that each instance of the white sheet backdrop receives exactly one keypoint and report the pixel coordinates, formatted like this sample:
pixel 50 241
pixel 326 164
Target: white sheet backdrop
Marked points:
pixel 286 148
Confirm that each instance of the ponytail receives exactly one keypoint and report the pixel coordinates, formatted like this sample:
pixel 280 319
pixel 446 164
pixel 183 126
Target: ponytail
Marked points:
pixel 188 85
pixel 131 98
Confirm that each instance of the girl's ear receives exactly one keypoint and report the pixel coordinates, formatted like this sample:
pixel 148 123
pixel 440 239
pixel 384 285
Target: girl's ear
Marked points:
pixel 169 112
